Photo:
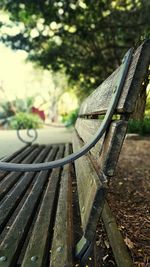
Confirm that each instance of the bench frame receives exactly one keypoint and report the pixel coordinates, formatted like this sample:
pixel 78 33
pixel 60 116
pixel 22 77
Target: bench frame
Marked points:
pixel 94 169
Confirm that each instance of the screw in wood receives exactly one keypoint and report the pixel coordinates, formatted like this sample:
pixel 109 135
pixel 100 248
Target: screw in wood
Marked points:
pixel 59 249
pixel 3 258
pixel 83 209
pixel 34 258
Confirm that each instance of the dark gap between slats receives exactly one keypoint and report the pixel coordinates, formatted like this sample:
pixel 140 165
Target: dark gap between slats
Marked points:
pixel 29 222
pixel 13 177
pixel 15 154
pixel 18 205
pixel 18 184
pixel 53 217
pixel 32 223
pixel 19 156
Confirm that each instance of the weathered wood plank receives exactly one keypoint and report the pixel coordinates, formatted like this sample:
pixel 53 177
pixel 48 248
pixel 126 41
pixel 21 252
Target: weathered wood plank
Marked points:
pixel 7 183
pixel 15 154
pixel 112 147
pixel 41 235
pixel 86 129
pixel 106 152
pixel 15 237
pixel 17 158
pixel 119 248
pixel 91 191
pixel 15 195
pixel 98 101
pixel 61 253
pixel 136 75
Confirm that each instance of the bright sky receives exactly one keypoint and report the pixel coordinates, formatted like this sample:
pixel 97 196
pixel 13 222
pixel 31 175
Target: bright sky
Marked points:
pixel 18 78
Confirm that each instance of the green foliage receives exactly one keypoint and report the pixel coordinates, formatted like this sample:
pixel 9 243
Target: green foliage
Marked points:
pixel 8 109
pixel 25 121
pixel 23 105
pixel 139 127
pixel 70 119
pixel 85 38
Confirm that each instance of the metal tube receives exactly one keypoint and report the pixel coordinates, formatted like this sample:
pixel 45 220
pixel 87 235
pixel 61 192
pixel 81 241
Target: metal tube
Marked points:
pixel 105 123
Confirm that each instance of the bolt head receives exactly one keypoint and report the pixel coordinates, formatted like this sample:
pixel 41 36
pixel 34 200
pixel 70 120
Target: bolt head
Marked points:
pixel 83 209
pixel 59 249
pixel 34 258
pixel 3 258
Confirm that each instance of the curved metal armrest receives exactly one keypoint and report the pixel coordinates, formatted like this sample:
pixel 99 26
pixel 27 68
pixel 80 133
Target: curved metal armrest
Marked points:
pixel 105 123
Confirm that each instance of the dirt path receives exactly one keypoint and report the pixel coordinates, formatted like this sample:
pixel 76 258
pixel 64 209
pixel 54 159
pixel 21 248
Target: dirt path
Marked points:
pixel 129 198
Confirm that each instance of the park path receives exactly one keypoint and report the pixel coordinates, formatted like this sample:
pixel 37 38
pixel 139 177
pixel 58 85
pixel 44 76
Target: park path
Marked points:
pixel 9 141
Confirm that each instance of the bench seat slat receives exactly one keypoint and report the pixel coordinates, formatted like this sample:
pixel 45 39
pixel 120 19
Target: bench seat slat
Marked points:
pixel 19 156
pixel 41 234
pixel 98 101
pixel 91 191
pixel 7 183
pixel 36 208
pixel 61 252
pixel 12 199
pixel 15 154
pixel 16 235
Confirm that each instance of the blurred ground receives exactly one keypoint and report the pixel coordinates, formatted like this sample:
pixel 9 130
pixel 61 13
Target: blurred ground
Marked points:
pixel 129 197
pixel 9 141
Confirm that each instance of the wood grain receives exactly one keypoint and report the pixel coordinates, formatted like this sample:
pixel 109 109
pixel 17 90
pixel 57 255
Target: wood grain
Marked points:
pixel 86 129
pixel 119 248
pixel 13 198
pixel 91 191
pixel 98 101
pixel 62 247
pixel 112 146
pixel 8 182
pixel 15 237
pixel 41 235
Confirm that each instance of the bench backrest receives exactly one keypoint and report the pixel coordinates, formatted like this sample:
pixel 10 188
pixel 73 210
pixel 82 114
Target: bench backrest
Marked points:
pixel 104 156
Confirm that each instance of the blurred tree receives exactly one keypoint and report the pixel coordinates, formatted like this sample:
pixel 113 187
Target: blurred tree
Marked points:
pixel 86 38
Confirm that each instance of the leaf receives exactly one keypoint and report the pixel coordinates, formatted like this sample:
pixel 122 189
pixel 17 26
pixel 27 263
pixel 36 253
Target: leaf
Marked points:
pixel 128 242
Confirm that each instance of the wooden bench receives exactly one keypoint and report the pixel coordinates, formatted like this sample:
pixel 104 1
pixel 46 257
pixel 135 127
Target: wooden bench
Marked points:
pixel 49 218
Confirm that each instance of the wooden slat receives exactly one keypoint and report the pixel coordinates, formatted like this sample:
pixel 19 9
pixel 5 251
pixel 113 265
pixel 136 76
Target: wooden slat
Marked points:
pixel 17 158
pixel 13 177
pixel 14 197
pixel 15 154
pixel 40 238
pixel 106 152
pixel 112 147
pixel 138 70
pixel 120 250
pixel 86 130
pixel 15 237
pixel 61 253
pixel 23 154
pixel 98 101
pixel 91 191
